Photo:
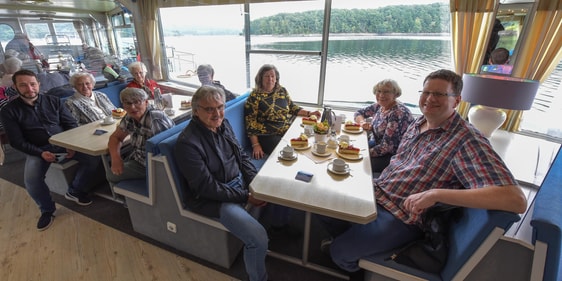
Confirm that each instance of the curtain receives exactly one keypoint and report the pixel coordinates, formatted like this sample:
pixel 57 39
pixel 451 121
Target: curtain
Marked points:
pixel 471 23
pixel 540 52
pixel 149 14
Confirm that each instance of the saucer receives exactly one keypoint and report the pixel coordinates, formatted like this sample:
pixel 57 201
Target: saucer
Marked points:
pixel 325 154
pixel 350 156
pixel 288 158
pixel 353 132
pixel 302 147
pixel 331 169
pixel 103 123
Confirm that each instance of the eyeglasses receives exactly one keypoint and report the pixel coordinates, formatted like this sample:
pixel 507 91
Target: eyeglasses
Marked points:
pixel 386 93
pixel 135 103
pixel 211 109
pixel 436 94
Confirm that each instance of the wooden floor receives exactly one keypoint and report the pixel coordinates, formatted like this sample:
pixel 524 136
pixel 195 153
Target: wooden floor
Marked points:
pixel 78 248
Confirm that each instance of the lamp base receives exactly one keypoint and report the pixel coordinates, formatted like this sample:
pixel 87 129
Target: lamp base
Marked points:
pixel 486 119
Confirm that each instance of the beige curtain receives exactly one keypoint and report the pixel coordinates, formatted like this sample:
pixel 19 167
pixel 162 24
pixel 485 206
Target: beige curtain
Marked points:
pixel 149 28
pixel 541 51
pixel 471 22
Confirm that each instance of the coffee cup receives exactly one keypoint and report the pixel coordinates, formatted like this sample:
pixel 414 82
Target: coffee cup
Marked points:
pixel 287 152
pixel 108 119
pixel 344 138
pixel 339 165
pixel 308 130
pixel 320 147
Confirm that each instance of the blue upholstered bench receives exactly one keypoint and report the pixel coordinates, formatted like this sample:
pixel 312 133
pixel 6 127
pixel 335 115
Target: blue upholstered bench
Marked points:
pixel 112 91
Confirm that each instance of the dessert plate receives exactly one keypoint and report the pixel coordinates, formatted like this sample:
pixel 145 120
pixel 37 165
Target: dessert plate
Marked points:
pixel 350 156
pixel 302 147
pixel 353 132
pixel 288 158
pixel 325 154
pixel 331 169
pixel 103 123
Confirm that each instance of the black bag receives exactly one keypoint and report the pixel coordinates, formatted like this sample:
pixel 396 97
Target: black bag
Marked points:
pixel 430 253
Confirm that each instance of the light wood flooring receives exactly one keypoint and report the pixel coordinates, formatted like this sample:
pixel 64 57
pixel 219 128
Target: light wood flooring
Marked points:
pixel 78 248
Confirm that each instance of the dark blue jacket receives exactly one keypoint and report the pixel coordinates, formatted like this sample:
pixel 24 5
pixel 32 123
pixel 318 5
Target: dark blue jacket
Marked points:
pixel 214 167
pixel 29 127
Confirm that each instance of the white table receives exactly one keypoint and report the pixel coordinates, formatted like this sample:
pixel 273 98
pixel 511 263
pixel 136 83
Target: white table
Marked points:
pixel 347 197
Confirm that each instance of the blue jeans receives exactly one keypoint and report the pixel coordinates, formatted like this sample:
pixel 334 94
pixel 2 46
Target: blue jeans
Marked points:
pixel 246 228
pixel 34 178
pixel 354 241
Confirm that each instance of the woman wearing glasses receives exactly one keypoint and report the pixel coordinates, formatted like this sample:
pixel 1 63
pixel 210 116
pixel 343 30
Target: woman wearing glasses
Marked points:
pixel 141 123
pixel 390 118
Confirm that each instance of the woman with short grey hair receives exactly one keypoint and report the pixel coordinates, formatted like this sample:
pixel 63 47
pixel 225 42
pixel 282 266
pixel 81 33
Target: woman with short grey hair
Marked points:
pixel 87 105
pixel 139 70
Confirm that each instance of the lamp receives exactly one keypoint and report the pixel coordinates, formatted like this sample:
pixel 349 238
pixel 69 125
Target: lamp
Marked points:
pixel 491 93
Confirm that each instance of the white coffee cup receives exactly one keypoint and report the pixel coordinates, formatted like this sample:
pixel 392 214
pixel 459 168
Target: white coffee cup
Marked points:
pixel 287 152
pixel 339 165
pixel 344 138
pixel 309 130
pixel 320 147
pixel 108 119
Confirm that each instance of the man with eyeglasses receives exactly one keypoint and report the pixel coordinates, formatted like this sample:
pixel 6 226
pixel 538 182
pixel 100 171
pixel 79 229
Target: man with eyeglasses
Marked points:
pixel 217 173
pixel 441 159
pixel 141 122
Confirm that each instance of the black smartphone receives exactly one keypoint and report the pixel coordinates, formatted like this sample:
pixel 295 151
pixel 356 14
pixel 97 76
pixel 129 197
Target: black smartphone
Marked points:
pixel 304 176
pixel 99 132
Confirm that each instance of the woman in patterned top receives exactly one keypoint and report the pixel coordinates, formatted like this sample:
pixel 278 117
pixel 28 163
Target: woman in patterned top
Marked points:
pixel 86 105
pixel 269 112
pixel 390 119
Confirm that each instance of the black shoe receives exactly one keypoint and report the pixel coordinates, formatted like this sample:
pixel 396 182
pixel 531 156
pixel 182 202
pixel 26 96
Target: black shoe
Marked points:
pixel 325 245
pixel 80 198
pixel 285 231
pixel 45 220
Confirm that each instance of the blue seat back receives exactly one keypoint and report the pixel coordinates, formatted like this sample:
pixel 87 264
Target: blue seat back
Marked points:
pixel 113 91
pixel 235 115
pixel 547 218
pixel 167 148
pixel 152 143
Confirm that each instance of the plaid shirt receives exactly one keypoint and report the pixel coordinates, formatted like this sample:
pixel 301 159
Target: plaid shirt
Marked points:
pixel 152 122
pixel 454 156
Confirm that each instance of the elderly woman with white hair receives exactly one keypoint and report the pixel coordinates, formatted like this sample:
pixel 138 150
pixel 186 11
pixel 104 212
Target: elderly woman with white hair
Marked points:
pixel 138 70
pixel 87 105
pixel 11 65
pixel 390 119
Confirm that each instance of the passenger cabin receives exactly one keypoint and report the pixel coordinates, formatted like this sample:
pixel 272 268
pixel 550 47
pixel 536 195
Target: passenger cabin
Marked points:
pixel 330 53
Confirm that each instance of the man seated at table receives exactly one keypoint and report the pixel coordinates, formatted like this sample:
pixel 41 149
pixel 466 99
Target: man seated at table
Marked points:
pixel 217 172
pixel 30 120
pixel 441 158
pixel 141 122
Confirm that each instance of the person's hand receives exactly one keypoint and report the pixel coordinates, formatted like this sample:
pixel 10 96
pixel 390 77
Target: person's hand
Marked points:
pixel 117 166
pixel 70 153
pixel 48 156
pixel 257 152
pixel 317 113
pixel 366 126
pixel 256 202
pixel 417 203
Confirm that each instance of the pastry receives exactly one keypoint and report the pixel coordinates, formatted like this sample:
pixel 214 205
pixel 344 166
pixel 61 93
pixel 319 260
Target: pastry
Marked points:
pixel 118 113
pixel 352 126
pixel 185 103
pixel 346 148
pixel 310 120
pixel 301 141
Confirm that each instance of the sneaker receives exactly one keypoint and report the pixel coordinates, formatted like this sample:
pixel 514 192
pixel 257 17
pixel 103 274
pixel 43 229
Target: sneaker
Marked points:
pixel 325 245
pixel 45 221
pixel 80 198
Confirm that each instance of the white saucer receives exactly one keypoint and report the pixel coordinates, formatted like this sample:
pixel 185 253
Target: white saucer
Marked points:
pixel 330 168
pixel 302 147
pixel 325 154
pixel 353 132
pixel 103 123
pixel 350 156
pixel 288 158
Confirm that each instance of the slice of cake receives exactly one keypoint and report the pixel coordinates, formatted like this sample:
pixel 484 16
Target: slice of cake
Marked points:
pixel 346 148
pixel 350 126
pixel 301 141
pixel 118 113
pixel 310 120
pixel 185 104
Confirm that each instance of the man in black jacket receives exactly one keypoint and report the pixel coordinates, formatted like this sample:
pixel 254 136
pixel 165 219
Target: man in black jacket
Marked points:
pixel 216 175
pixel 29 121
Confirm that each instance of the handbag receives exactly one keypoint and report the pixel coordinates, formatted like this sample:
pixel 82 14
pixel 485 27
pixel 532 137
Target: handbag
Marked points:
pixel 430 253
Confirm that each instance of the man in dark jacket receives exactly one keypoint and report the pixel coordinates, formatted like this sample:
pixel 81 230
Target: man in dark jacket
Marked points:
pixel 216 175
pixel 29 121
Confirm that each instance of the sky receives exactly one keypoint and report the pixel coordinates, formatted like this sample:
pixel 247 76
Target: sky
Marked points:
pixel 234 13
